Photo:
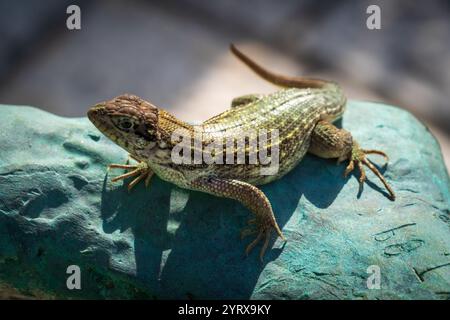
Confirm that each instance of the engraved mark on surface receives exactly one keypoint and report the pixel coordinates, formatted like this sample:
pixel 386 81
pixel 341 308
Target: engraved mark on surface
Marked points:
pixel 421 274
pixel 407 246
pixel 387 234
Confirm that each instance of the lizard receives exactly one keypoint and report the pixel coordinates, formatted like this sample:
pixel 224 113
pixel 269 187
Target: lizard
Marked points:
pixel 303 110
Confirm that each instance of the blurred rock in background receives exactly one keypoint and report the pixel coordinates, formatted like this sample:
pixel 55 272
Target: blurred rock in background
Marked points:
pixel 175 53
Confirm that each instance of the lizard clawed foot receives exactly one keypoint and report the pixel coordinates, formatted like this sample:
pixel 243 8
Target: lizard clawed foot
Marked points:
pixel 358 157
pixel 141 170
pixel 264 230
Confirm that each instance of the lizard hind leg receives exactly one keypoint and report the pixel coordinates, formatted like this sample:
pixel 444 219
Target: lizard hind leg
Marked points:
pixel 328 141
pixel 140 171
pixel 251 197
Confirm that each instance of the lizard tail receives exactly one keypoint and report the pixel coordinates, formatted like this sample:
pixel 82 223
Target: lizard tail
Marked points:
pixel 277 79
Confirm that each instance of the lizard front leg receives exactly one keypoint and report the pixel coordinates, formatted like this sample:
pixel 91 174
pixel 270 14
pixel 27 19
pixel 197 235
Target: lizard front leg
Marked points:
pixel 252 198
pixel 141 170
pixel 328 141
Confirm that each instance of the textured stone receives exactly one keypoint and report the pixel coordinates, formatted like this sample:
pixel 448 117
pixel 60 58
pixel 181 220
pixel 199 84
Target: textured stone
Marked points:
pixel 59 208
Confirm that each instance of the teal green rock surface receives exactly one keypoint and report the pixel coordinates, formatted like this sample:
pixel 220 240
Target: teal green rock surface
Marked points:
pixel 59 208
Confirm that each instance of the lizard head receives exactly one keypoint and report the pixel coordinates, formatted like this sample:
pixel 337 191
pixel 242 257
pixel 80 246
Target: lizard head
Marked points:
pixel 128 120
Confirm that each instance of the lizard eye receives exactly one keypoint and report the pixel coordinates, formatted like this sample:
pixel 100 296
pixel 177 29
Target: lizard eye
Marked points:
pixel 126 124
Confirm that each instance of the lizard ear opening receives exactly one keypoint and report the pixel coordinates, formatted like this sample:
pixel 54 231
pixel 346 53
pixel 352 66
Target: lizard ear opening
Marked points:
pixel 147 131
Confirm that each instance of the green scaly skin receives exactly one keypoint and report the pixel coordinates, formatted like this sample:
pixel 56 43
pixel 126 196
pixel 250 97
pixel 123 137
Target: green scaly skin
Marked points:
pixel 302 112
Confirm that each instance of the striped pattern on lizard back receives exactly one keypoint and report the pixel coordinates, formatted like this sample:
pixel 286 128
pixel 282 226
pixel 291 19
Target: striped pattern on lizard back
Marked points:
pixel 293 112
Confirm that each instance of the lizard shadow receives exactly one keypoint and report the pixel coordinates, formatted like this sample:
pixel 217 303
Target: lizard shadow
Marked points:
pixel 187 244
pixel 373 185
pixel 207 254
pixel 137 212
pixel 184 249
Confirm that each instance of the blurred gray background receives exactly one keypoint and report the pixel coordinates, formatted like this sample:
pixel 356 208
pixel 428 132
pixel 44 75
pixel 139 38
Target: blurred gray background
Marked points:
pixel 175 53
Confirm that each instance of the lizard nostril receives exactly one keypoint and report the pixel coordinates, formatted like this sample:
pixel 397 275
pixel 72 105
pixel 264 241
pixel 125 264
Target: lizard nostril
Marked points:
pixel 91 114
pixel 94 112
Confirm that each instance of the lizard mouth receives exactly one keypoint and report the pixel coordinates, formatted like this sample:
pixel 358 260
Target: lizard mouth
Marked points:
pixel 94 115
